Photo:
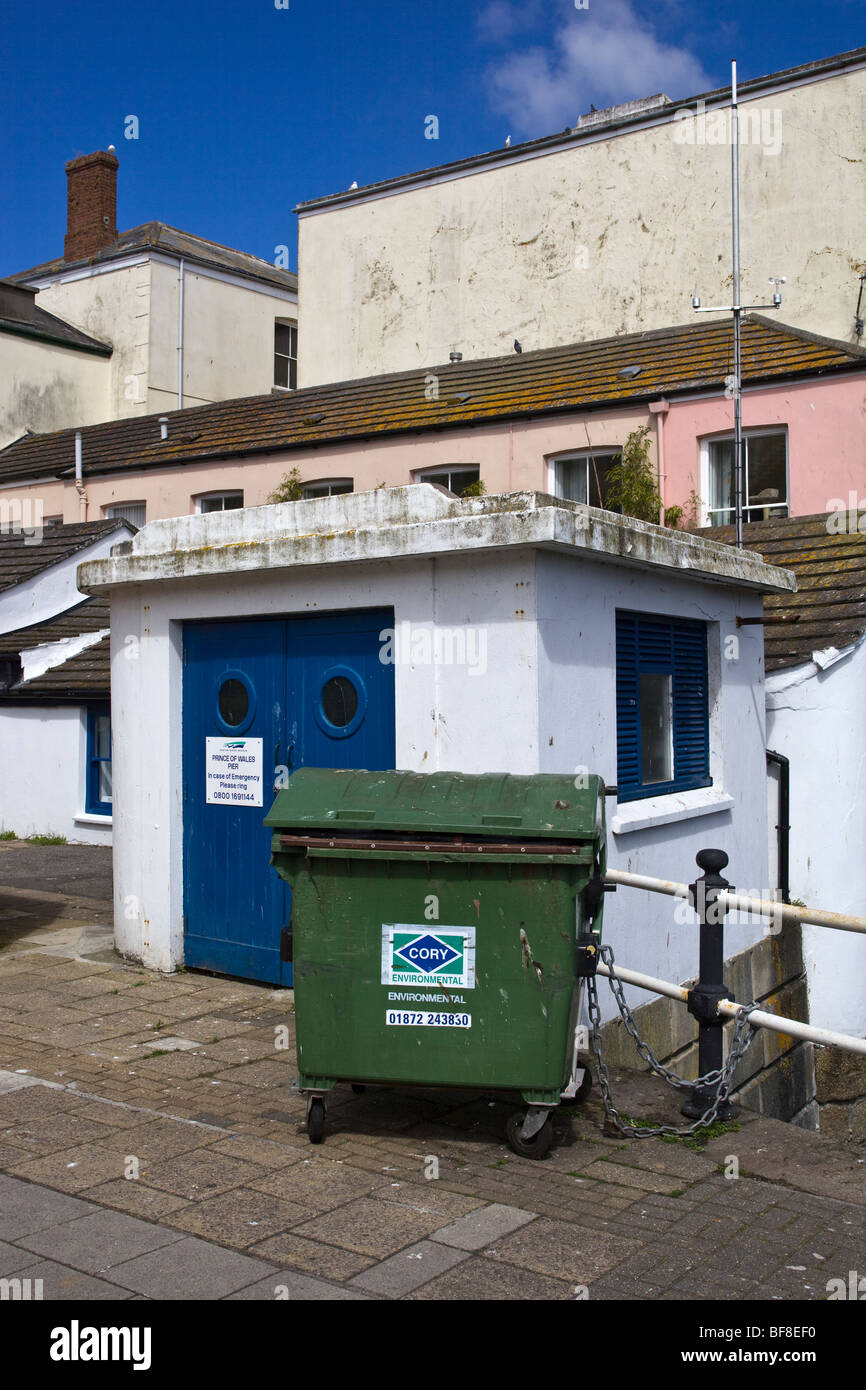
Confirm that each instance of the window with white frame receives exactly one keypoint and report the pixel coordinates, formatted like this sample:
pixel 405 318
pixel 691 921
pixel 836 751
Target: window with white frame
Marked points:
pixel 286 355
pixel 133 512
pixel 765 477
pixel 583 477
pixel 328 487
pixel 219 502
pixel 457 477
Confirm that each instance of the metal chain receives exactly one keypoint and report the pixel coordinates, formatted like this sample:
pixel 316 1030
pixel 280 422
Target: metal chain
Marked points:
pixel 744 1033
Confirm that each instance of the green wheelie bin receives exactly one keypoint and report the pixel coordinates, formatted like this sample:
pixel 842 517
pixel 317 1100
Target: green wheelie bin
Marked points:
pixel 434 932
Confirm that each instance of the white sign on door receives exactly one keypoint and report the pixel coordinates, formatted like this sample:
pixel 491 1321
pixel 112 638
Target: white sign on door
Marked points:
pixel 233 771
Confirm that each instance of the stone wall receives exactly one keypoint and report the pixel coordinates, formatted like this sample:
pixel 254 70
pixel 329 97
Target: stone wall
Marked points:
pixel 841 1093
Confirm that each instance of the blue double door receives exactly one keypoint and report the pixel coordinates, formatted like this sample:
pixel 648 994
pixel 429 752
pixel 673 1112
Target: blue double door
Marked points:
pixel 262 698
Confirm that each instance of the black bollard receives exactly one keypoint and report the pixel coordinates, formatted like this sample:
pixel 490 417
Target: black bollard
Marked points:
pixel 703 999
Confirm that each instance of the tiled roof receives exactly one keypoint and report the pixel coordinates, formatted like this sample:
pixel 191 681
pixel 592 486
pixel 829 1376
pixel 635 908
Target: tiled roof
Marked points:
pixel 19 314
pixel 830 603
pixel 158 236
pixel 85 674
pixel 610 371
pixel 90 615
pixel 23 556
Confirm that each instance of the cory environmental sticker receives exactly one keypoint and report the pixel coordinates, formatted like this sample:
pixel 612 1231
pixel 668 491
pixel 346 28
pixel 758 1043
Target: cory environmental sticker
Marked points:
pixel 418 956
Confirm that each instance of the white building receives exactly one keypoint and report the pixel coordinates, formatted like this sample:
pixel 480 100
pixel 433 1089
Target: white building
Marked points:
pixel 185 320
pixel 816 718
pixel 547 613
pixel 55 721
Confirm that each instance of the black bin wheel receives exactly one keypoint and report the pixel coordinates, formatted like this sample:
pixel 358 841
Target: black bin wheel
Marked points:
pixel 358 1089
pixel 316 1120
pixel 582 1091
pixel 536 1147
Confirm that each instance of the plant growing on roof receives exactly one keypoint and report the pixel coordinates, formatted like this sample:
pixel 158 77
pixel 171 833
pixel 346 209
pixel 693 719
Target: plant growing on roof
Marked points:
pixel 631 483
pixel 291 489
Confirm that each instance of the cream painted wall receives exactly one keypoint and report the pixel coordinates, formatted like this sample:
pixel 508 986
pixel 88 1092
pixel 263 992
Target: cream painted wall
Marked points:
pixel 598 239
pixel 44 386
pixel 115 307
pixel 228 337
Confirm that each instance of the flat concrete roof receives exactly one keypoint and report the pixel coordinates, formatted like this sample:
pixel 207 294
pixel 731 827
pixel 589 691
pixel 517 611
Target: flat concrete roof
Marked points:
pixel 413 522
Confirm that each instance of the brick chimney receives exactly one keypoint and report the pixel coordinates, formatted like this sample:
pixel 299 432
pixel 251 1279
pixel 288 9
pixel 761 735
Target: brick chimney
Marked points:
pixel 91 205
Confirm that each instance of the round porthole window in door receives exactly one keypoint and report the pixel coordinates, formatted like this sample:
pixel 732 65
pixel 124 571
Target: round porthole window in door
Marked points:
pixel 342 702
pixel 236 702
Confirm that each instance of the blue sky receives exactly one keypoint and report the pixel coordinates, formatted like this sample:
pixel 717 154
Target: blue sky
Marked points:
pixel 245 109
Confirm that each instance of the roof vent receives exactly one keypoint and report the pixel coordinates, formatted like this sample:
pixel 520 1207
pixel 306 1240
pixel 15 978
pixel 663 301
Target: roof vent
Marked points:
pixel 163 427
pixel 630 372
pixel 455 356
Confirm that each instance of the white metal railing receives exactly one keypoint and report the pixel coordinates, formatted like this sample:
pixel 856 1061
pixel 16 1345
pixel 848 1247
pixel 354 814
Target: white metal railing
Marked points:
pixel 727 898
pixel 758 1017
pixel 815 916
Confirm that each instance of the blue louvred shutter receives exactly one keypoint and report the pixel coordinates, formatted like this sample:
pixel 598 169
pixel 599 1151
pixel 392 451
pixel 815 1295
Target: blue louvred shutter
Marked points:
pixel 691 724
pixel 668 646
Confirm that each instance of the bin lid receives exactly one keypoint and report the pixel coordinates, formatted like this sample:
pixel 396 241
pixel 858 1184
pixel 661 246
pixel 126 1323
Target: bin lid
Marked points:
pixel 545 806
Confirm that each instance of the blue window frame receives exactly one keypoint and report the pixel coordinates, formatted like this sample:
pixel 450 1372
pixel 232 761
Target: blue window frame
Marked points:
pixel 99 790
pixel 662 705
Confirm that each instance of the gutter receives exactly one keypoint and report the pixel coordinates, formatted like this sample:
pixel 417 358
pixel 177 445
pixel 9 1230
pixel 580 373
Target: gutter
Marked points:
pixel 783 828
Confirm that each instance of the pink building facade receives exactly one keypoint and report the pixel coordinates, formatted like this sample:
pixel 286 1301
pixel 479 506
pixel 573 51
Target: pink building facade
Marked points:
pixel 805 444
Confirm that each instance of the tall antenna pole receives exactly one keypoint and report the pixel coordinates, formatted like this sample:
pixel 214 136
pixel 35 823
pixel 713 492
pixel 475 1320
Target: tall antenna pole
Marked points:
pixel 737 309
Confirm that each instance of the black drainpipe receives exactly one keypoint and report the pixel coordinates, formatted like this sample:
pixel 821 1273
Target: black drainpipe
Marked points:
pixel 783 829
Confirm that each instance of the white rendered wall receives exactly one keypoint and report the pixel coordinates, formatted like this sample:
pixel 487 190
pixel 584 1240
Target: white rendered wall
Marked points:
pixel 577 673
pixel 43 752
pixel 538 678
pixel 446 718
pixel 818 720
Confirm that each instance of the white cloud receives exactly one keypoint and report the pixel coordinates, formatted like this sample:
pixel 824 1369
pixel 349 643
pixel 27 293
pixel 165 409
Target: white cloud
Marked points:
pixel 600 56
pixel 500 20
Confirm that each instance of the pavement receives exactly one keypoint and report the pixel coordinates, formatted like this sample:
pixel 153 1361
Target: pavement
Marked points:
pixel 152 1147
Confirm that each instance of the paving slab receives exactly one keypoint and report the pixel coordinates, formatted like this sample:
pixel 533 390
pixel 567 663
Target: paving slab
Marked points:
pixel 26 1208
pixel 479 1279
pixel 61 1283
pixel 408 1270
pixel 483 1226
pixel 371 1228
pixel 563 1250
pixel 190 1269
pixel 240 1218
pixel 290 1286
pixel 95 1242
pixel 312 1256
